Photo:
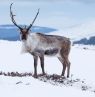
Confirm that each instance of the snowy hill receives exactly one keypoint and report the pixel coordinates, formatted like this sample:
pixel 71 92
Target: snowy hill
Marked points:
pixel 83 30
pixel 83 33
pixel 10 32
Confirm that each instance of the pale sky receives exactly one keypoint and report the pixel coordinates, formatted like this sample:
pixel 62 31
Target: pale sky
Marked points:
pixel 53 13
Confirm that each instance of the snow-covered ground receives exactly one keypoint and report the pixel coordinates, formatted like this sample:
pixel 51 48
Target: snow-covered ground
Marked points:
pixel 72 19
pixel 12 60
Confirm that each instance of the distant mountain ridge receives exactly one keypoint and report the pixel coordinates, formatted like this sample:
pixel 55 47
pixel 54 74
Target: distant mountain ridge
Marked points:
pixel 10 32
pixel 85 41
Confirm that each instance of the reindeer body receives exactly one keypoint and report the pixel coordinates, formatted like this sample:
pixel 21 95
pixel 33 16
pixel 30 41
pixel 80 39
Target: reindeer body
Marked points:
pixel 49 45
pixel 38 45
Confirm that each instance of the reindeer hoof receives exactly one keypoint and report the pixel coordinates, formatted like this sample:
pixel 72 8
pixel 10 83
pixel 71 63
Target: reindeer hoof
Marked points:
pixel 62 74
pixel 35 76
pixel 44 74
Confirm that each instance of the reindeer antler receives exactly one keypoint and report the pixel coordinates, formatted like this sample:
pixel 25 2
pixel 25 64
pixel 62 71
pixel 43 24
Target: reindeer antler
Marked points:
pixel 12 17
pixel 33 21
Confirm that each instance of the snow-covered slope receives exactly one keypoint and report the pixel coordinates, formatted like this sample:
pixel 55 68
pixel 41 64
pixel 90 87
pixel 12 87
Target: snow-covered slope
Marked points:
pixel 12 60
pixel 79 34
pixel 83 30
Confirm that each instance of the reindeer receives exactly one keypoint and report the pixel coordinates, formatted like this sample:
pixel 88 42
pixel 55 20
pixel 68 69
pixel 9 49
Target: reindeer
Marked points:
pixel 39 45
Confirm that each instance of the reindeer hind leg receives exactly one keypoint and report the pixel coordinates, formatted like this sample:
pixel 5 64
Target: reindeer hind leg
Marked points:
pixel 67 64
pixel 68 68
pixel 63 64
pixel 65 61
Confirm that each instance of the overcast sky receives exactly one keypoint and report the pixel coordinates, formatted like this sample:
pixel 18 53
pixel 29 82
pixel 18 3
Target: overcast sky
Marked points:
pixel 85 1
pixel 60 13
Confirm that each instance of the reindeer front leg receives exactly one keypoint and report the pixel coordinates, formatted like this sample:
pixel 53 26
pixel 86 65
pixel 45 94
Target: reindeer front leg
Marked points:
pixel 42 64
pixel 35 65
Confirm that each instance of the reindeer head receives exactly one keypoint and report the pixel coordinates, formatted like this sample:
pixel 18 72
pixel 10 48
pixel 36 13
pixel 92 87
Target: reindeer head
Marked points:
pixel 24 31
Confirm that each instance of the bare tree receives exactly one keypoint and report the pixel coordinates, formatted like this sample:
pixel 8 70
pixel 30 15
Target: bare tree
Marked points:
pixel 38 45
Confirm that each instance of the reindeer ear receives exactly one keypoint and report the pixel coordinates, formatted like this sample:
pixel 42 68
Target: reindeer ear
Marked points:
pixel 19 30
